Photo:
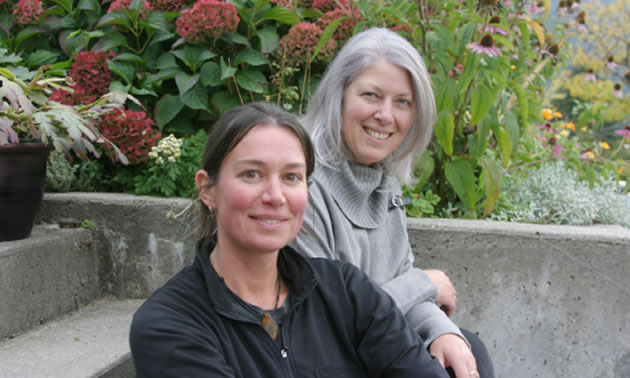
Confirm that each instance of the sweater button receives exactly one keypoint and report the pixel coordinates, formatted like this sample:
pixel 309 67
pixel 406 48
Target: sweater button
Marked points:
pixel 283 352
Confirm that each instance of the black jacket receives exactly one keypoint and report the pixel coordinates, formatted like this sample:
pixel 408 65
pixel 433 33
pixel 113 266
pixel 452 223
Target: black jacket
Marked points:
pixel 339 325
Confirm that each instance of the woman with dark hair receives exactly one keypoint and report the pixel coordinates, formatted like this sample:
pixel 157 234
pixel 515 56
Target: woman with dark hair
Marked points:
pixel 249 305
pixel 371 116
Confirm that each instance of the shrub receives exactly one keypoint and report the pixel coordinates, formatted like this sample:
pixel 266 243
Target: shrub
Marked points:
pixel 207 19
pixel 131 131
pixel 27 11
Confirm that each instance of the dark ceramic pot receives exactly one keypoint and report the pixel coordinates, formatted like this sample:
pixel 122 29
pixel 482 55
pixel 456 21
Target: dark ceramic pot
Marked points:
pixel 22 179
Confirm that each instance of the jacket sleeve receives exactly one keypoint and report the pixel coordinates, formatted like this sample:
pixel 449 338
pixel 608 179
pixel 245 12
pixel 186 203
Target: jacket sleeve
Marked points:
pixel 165 344
pixel 387 346
pixel 415 295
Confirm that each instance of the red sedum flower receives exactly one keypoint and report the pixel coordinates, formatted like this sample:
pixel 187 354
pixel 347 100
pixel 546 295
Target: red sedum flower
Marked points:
pixel 299 44
pixel 27 11
pixel 131 131
pixel 207 19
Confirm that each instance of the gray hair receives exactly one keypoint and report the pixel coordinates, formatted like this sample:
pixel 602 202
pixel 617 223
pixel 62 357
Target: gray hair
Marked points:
pixel 323 118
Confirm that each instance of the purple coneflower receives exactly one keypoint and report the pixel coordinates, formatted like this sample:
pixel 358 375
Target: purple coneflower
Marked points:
pixel 625 132
pixel 563 8
pixel 590 75
pixel 485 46
pixel 495 29
pixel 611 63
pixel 553 50
pixel 556 150
pixel 581 22
pixel 618 92
pixel 547 127
pixel 575 5
pixel 538 8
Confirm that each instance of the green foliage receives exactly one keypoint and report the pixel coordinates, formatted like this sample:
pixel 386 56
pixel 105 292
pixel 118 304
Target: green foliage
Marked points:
pixel 176 178
pixel 87 224
pixel 422 203
pixel 554 194
pixel 60 174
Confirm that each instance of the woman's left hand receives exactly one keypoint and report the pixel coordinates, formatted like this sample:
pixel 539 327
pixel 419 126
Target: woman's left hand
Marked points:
pixel 452 351
pixel 447 295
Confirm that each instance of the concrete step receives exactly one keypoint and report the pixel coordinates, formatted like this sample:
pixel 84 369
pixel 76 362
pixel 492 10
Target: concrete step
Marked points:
pixel 51 273
pixel 91 342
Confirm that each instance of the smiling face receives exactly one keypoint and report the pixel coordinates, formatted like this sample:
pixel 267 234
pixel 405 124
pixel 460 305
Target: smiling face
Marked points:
pixel 377 112
pixel 261 193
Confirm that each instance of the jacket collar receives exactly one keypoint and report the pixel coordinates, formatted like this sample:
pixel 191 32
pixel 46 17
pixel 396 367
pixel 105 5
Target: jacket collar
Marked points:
pixel 294 269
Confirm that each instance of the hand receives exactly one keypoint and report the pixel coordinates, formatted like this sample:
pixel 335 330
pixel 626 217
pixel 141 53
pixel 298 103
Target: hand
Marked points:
pixel 452 351
pixel 447 295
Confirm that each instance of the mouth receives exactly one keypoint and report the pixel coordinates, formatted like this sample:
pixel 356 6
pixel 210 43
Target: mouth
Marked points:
pixel 268 220
pixel 376 135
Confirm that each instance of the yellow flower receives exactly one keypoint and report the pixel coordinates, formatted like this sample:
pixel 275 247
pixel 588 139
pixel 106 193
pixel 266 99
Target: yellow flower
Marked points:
pixel 590 154
pixel 547 114
pixel 568 125
pixel 564 133
pixel 585 129
pixel 620 170
pixel 605 145
pixel 513 67
pixel 557 115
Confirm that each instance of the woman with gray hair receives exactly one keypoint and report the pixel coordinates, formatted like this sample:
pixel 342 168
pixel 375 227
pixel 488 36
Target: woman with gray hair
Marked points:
pixel 371 116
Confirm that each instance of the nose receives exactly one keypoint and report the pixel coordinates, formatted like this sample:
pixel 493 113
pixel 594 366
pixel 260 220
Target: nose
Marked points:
pixel 384 113
pixel 273 194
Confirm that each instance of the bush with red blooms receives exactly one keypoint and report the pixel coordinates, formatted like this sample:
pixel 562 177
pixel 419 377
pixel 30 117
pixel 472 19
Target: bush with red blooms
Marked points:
pixel 91 76
pixel 328 5
pixel 27 11
pixel 345 29
pixel 124 4
pixel 166 5
pixel 131 131
pixel 299 44
pixel 207 19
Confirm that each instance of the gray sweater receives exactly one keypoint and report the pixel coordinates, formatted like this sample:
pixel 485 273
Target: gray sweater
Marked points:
pixel 349 219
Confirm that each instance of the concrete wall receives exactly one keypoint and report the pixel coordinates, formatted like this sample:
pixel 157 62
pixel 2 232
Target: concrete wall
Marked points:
pixel 549 301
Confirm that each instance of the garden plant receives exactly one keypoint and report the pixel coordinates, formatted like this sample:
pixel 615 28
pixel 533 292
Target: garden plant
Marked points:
pixel 187 62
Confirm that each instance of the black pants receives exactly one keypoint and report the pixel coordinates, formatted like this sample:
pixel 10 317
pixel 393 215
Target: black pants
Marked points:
pixel 484 363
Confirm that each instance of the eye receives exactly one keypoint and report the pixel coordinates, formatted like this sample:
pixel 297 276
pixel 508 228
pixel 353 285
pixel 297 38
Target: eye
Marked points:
pixel 293 178
pixel 250 174
pixel 404 102
pixel 369 94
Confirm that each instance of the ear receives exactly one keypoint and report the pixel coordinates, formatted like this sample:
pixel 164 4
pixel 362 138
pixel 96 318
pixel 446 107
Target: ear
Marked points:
pixel 206 192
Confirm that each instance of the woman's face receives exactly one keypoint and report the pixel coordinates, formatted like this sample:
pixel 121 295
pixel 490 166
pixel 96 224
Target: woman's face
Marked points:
pixel 261 192
pixel 377 112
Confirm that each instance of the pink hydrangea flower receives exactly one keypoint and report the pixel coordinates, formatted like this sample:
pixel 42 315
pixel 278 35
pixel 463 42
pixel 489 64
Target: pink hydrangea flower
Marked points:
pixel 345 29
pixel 124 4
pixel 90 70
pixel 328 5
pixel 284 3
pixel 299 44
pixel 166 5
pixel 27 11
pixel 207 19
pixel 131 131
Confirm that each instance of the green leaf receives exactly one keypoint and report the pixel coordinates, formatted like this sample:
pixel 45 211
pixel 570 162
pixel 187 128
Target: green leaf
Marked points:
pixel 236 38
pixel 223 101
pixel 166 109
pixel 142 91
pixel 129 57
pixel 41 57
pixel 523 103
pixel 226 70
pixel 505 144
pixel 196 98
pixel 193 56
pixel 210 74
pixel 269 39
pixel 29 32
pixel 125 70
pixel 156 20
pixel 89 6
pixel 445 95
pixel 280 14
pixel 110 41
pixel 161 37
pixel 251 80
pixel 326 35
pixel 166 60
pixel 463 37
pixel 491 178
pixel 482 100
pixel 461 177
pixel 114 18
pixel 185 82
pixel 444 131
pixel 426 165
pixel 65 4
pixel 251 57
pixel 165 74
pixel 72 46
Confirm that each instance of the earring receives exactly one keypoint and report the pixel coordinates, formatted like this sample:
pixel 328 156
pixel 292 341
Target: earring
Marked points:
pixel 211 210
